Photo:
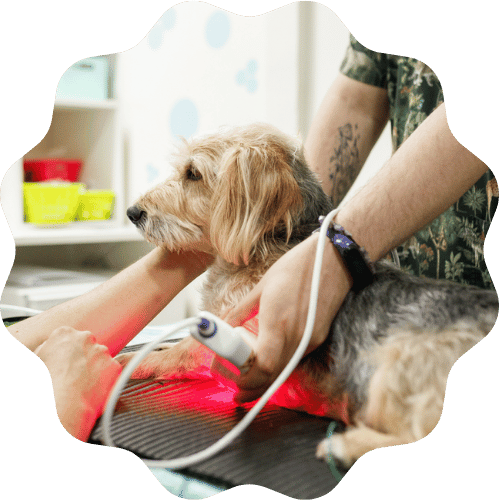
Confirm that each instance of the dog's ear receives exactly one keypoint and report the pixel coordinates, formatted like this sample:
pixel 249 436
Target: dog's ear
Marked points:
pixel 255 194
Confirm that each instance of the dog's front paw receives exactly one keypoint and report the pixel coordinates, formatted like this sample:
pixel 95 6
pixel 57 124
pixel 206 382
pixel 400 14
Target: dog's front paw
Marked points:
pixel 143 371
pixel 167 359
pixel 124 358
pixel 333 448
pixel 154 365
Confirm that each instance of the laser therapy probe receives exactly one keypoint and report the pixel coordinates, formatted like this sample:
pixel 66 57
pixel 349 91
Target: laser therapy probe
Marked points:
pixel 222 339
pixel 229 343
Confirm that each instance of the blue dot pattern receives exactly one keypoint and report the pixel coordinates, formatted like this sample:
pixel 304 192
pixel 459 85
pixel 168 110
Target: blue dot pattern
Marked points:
pixel 217 30
pixel 246 77
pixel 166 23
pixel 184 119
pixel 241 78
pixel 152 173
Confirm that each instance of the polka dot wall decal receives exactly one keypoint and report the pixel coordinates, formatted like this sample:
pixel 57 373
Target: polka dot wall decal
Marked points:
pixel 241 78
pixel 252 66
pixel 168 19
pixel 252 85
pixel 152 173
pixel 218 29
pixel 184 119
pixel 165 23
pixel 246 77
pixel 155 37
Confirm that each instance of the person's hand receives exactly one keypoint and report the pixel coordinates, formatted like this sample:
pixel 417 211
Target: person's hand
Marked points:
pixel 83 373
pixel 194 261
pixel 281 299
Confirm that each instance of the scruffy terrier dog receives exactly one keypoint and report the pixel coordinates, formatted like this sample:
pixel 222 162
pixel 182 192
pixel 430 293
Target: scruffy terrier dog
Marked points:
pixel 247 196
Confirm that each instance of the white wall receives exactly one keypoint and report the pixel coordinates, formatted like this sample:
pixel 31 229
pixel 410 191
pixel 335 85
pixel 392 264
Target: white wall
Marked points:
pixel 329 42
pixel 200 67
pixel 325 40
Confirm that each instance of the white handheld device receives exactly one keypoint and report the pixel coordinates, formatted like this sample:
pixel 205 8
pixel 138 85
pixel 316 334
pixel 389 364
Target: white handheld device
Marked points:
pixel 222 338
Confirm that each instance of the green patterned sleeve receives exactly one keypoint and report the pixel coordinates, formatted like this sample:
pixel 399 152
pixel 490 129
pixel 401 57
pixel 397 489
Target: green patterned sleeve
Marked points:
pixel 364 65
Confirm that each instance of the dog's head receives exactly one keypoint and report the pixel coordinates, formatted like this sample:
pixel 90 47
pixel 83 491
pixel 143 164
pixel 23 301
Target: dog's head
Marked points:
pixel 230 193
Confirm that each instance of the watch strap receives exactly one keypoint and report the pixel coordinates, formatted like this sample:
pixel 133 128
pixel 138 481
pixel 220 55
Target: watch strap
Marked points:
pixel 353 256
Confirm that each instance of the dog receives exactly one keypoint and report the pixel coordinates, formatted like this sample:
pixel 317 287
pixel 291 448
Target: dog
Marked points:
pixel 247 195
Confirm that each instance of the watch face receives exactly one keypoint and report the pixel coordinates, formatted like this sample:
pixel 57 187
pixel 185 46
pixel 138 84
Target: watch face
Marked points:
pixel 339 239
pixel 342 240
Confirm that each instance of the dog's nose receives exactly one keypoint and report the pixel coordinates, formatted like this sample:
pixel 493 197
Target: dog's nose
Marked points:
pixel 135 214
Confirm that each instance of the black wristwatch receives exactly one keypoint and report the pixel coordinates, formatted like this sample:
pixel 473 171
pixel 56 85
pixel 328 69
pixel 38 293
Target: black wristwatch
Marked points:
pixel 354 257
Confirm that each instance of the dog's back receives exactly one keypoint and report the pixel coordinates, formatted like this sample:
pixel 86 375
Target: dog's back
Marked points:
pixel 397 301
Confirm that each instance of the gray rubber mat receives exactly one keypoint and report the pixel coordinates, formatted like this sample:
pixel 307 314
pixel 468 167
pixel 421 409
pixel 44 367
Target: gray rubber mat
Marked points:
pixel 169 420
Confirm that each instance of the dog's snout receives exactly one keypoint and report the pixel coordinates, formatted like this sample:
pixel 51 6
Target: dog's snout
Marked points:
pixel 135 214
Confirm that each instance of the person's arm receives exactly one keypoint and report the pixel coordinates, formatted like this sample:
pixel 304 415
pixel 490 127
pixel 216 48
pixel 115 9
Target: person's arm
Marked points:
pixel 82 373
pixel 430 171
pixel 120 308
pixel 346 127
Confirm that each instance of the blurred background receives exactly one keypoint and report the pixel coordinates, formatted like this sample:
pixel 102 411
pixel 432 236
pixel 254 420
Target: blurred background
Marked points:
pixel 118 117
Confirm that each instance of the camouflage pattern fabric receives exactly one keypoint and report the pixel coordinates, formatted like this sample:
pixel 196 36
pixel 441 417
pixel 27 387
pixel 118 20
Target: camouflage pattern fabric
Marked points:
pixel 451 247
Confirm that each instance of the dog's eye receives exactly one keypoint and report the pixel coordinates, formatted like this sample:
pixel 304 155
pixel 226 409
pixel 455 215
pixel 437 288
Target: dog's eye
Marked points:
pixel 193 174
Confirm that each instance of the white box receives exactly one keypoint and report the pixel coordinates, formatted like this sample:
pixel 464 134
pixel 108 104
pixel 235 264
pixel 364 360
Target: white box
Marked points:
pixel 41 288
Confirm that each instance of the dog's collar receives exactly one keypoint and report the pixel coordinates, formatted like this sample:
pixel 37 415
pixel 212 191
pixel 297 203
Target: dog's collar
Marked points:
pixel 354 257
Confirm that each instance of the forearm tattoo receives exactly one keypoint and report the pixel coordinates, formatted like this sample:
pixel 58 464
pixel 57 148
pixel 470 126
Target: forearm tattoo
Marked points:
pixel 345 162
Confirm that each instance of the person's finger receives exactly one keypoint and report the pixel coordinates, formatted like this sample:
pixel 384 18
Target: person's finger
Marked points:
pixel 252 384
pixel 270 358
pixel 88 338
pixel 246 309
pixel 112 372
pixel 39 348
pixel 246 396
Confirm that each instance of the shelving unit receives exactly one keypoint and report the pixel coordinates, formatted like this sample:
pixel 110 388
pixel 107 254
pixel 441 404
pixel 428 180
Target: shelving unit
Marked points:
pixel 76 233
pixel 88 130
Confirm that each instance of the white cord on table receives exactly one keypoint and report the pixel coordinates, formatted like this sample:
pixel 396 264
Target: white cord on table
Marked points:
pixel 179 463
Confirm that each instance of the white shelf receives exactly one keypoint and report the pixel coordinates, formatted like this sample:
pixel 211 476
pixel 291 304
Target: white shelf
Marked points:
pixel 76 232
pixel 88 129
pixel 85 104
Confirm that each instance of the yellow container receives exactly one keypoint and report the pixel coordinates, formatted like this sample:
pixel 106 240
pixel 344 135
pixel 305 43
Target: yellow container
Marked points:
pixel 96 204
pixel 48 203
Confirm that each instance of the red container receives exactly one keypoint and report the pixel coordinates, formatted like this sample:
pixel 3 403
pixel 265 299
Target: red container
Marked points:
pixel 52 169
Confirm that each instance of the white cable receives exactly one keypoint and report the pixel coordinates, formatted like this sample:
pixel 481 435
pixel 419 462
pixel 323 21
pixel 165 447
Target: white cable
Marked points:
pixel 179 463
